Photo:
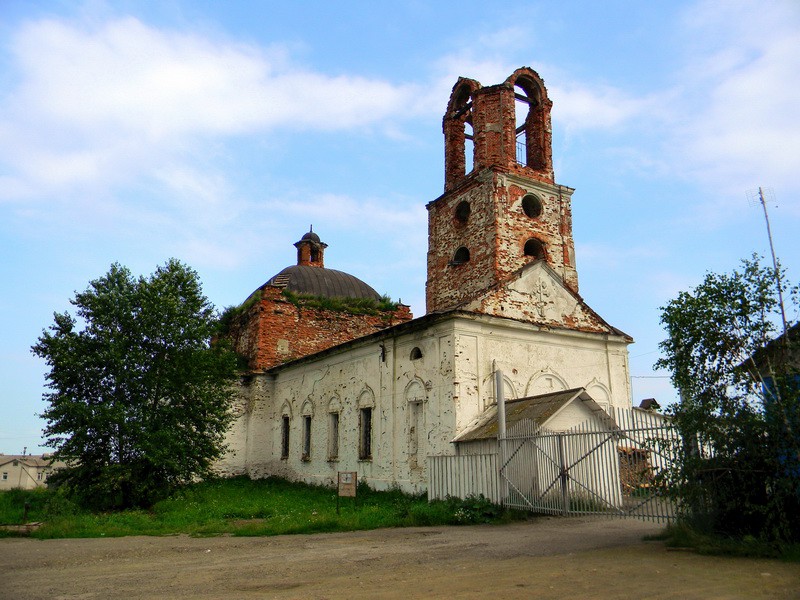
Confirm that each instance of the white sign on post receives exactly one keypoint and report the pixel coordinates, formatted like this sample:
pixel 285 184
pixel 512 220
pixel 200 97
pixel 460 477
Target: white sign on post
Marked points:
pixel 348 482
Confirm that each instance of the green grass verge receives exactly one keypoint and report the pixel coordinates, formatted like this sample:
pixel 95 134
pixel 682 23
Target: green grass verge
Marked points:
pixel 244 507
pixel 684 536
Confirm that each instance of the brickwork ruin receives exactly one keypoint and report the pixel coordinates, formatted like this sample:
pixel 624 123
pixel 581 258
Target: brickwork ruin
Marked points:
pixel 506 211
pixel 273 327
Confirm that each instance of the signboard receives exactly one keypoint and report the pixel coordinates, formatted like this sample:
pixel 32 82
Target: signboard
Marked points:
pixel 348 481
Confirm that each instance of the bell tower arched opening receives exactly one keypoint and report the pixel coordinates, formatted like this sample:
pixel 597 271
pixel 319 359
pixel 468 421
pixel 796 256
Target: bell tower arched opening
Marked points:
pixel 504 210
pixel 459 159
pixel 529 124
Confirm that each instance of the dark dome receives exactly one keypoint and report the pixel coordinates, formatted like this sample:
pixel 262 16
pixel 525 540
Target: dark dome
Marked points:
pixel 310 236
pixel 319 281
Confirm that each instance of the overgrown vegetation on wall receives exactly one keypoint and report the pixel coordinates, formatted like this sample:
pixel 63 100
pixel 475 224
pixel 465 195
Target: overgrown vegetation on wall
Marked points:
pixel 232 313
pixel 353 306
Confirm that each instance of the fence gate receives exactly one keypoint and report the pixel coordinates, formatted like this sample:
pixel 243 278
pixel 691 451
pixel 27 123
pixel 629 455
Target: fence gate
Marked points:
pixel 605 467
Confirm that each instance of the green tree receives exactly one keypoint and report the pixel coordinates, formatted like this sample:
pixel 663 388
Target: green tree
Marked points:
pixel 737 374
pixel 138 396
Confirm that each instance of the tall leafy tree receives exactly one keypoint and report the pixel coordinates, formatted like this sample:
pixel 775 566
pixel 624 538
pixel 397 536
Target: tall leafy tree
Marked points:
pixel 737 373
pixel 139 396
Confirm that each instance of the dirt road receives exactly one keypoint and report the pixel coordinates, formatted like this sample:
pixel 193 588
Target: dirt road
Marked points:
pixel 543 558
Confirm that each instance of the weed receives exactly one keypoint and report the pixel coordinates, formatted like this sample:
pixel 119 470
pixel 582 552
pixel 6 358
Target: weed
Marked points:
pixel 354 306
pixel 683 535
pixel 243 507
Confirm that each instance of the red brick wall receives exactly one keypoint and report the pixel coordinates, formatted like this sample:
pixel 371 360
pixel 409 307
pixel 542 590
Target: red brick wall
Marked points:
pixel 492 114
pixel 495 234
pixel 497 229
pixel 275 331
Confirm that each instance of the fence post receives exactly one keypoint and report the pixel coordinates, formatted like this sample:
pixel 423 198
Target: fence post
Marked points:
pixel 562 459
pixel 501 432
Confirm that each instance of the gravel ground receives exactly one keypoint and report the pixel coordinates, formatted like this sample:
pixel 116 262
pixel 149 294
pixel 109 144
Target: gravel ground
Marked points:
pixel 542 558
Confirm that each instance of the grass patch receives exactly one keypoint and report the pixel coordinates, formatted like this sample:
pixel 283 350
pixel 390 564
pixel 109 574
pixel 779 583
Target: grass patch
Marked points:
pixel 353 306
pixel 244 507
pixel 684 536
pixel 232 313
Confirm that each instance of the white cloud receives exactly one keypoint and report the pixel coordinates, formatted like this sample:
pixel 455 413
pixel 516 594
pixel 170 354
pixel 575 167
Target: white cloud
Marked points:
pixel 128 76
pixel 115 128
pixel 577 105
pixel 740 126
pixel 99 105
pixel 370 215
pixel 581 106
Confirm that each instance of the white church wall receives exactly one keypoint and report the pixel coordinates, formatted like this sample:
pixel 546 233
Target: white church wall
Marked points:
pixel 405 382
pixel 535 361
pixel 420 388
pixel 234 461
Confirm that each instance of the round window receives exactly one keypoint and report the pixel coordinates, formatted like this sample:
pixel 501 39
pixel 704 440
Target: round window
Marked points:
pixel 531 206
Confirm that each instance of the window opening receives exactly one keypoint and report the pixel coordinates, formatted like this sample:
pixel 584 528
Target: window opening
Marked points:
pixel 416 353
pixel 469 145
pixel 306 437
pixel 460 257
pixel 531 206
pixel 521 113
pixel 333 436
pixel 529 123
pixel 365 434
pixel 534 248
pixel 463 113
pixel 463 211
pixel 285 437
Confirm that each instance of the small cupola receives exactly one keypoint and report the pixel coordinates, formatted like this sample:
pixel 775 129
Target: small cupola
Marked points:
pixel 310 250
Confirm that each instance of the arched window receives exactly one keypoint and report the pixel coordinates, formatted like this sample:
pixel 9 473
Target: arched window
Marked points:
pixel 366 405
pixel 459 156
pixel 416 353
pixel 463 211
pixel 529 123
pixel 534 248
pixel 308 414
pixel 334 410
pixel 469 145
pixel 463 112
pixel 545 382
pixel 461 256
pixel 415 402
pixel 286 417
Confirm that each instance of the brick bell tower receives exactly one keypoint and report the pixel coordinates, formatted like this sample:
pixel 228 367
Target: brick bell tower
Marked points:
pixel 502 209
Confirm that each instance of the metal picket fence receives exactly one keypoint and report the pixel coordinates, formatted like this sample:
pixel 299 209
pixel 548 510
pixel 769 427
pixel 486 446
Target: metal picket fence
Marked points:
pixel 608 466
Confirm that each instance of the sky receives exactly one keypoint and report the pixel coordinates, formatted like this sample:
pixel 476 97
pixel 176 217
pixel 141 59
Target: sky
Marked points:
pixel 217 133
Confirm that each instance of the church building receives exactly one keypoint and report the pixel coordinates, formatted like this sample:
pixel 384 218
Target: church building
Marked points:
pixel 340 379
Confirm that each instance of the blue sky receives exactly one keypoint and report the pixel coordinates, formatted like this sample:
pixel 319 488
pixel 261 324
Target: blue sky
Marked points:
pixel 217 133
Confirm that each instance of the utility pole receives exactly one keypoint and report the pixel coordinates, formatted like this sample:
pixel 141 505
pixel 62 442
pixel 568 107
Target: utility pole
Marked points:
pixel 774 263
